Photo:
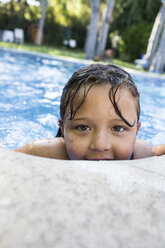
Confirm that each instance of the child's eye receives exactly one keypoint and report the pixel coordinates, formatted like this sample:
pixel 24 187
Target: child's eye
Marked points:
pixel 118 129
pixel 83 128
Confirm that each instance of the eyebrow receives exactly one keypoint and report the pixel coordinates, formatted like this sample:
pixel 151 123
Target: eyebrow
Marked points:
pixel 80 119
pixel 88 119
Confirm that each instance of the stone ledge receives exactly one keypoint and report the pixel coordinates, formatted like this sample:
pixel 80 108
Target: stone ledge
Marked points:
pixel 48 203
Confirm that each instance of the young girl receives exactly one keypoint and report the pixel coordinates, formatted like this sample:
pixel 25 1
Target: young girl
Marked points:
pixel 99 113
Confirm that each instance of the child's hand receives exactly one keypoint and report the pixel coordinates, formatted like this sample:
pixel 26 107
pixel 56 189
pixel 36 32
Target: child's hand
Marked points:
pixel 158 150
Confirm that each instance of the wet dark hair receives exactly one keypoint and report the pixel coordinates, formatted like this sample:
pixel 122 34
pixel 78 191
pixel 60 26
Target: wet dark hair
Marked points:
pixel 96 74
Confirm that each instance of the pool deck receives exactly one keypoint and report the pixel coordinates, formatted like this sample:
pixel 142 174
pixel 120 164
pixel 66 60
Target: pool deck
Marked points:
pixel 48 203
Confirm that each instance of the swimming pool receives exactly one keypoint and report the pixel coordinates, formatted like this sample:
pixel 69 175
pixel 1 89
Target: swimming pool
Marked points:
pixel 30 89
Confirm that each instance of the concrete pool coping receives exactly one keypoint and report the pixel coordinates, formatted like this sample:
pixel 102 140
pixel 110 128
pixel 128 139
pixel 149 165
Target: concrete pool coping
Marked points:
pixel 56 203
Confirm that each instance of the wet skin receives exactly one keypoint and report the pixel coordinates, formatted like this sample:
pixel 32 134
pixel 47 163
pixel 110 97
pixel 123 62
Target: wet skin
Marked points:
pixel 96 132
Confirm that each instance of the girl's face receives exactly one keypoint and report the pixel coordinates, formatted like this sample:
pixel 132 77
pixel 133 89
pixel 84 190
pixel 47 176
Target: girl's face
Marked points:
pixel 96 132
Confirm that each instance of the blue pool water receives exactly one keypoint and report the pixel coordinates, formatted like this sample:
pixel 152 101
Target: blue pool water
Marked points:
pixel 30 89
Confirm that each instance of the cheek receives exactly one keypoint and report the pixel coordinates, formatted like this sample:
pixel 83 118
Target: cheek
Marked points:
pixel 125 154
pixel 75 148
pixel 125 148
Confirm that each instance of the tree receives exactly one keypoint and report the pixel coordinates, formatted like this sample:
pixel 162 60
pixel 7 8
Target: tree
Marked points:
pixel 158 62
pixel 39 35
pixel 106 19
pixel 12 14
pixel 155 36
pixel 92 31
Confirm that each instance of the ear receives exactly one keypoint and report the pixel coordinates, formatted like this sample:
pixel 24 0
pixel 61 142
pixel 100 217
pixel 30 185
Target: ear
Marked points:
pixel 138 127
pixel 61 125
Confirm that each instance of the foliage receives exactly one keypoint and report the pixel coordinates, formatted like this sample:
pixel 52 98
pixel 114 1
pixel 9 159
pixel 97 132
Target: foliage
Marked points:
pixel 69 19
pixel 18 14
pixel 134 41
pixel 133 22
pixel 56 32
pixel 130 12
pixel 64 19
pixel 66 12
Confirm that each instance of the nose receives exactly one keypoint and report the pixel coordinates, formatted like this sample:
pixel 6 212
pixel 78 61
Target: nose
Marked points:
pixel 100 141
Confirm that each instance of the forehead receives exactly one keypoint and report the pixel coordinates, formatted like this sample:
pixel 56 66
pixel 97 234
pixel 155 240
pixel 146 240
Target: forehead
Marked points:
pixel 98 100
pixel 102 92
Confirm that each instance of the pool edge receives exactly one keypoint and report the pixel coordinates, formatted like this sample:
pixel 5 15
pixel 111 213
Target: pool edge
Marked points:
pixel 83 61
pixel 81 203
